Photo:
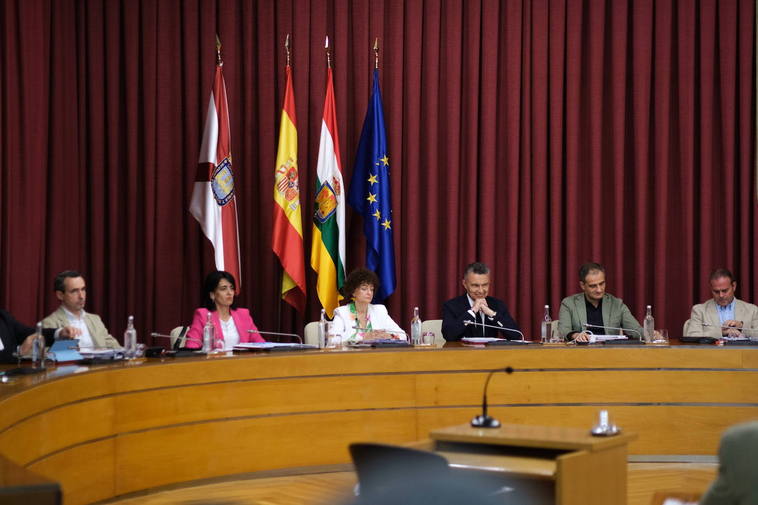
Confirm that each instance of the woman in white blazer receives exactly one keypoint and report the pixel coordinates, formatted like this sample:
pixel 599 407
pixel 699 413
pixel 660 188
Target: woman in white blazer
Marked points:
pixel 360 320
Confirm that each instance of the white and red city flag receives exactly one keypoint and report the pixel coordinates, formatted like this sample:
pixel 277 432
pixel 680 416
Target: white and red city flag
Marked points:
pixel 214 202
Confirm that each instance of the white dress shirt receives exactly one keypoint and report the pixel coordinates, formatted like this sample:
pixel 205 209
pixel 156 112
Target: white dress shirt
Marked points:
pixel 231 335
pixel 85 339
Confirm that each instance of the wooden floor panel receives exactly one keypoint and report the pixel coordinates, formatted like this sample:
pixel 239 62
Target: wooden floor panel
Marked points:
pixel 644 479
pixel 317 489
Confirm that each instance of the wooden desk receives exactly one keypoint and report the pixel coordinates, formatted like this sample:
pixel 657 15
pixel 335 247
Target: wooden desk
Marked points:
pixel 112 430
pixel 19 486
pixel 576 468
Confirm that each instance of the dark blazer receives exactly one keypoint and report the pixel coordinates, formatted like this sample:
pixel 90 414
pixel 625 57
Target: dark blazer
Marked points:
pixel 456 311
pixel 13 334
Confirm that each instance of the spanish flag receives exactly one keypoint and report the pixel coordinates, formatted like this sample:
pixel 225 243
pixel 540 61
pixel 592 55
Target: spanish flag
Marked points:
pixel 328 245
pixel 287 238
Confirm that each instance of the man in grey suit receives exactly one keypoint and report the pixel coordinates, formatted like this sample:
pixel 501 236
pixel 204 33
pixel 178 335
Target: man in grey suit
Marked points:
pixel 723 315
pixel 71 290
pixel 737 480
pixel 594 309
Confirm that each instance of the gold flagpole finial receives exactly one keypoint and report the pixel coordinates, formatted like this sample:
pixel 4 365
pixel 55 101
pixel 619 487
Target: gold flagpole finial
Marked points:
pixel 328 53
pixel 219 61
pixel 287 48
pixel 376 53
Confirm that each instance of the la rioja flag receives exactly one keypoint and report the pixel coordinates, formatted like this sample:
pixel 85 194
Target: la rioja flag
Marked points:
pixel 214 203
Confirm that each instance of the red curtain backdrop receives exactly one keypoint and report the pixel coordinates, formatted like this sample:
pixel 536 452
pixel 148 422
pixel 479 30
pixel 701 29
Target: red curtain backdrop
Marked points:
pixel 531 135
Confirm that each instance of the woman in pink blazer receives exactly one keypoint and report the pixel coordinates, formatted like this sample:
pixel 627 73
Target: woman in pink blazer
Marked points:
pixel 231 323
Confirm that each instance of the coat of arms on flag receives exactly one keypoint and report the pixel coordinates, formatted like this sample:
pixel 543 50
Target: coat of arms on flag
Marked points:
pixel 222 182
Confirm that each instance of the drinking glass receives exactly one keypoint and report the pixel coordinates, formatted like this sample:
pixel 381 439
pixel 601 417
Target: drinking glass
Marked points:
pixel 661 337
pixel 333 340
pixel 427 338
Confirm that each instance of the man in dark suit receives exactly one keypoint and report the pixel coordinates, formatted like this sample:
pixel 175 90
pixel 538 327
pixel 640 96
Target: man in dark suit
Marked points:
pixel 475 314
pixel 14 334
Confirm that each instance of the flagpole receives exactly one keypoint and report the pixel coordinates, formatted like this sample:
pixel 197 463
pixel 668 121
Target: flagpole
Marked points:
pixel 219 61
pixel 376 53
pixel 328 53
pixel 287 48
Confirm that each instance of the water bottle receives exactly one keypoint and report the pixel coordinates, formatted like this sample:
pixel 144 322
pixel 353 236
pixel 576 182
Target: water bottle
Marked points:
pixel 130 339
pixel 218 344
pixel 322 330
pixel 209 335
pixel 547 326
pixel 416 328
pixel 38 348
pixel 648 326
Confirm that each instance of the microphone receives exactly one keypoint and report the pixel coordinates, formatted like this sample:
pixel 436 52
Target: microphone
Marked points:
pixel 177 343
pixel 501 328
pixel 484 420
pixel 586 325
pixel 298 337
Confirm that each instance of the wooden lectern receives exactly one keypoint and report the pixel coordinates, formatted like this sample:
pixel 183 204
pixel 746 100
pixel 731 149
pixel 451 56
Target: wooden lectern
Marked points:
pixel 565 466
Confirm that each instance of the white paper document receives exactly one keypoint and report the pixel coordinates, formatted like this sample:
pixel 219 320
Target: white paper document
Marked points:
pixel 604 338
pixel 270 345
pixel 480 340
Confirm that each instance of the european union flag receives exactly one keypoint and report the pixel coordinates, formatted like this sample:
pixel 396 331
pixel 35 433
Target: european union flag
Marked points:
pixel 371 194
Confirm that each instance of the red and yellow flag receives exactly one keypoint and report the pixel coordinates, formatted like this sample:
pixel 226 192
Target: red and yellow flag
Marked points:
pixel 287 237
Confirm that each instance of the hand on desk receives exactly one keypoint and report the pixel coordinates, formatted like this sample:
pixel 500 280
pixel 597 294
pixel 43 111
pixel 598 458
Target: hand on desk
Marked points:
pixel 65 333
pixel 69 332
pixel 734 329
pixel 581 337
pixel 372 335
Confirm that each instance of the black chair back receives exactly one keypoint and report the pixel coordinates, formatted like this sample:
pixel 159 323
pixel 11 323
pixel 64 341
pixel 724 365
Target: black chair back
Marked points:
pixel 381 467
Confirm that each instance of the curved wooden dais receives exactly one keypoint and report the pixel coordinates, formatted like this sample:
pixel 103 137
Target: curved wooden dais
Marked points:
pixel 111 430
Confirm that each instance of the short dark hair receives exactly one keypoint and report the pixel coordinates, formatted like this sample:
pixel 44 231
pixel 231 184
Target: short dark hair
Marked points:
pixel 59 283
pixel 209 286
pixel 356 278
pixel 591 266
pixel 721 272
pixel 476 267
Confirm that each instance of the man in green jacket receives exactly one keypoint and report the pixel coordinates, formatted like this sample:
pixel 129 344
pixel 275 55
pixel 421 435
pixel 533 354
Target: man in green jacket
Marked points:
pixel 595 310
pixel 737 481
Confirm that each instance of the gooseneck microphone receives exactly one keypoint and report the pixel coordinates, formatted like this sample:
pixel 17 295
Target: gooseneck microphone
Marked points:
pixel 484 420
pixel 298 337
pixel 499 328
pixel 613 328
